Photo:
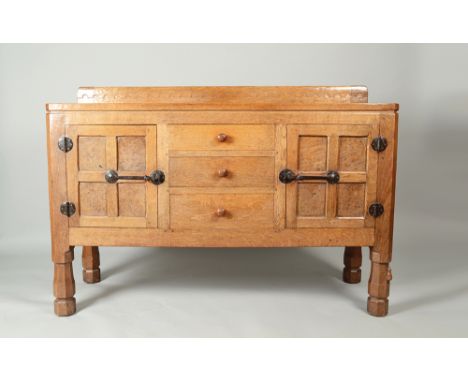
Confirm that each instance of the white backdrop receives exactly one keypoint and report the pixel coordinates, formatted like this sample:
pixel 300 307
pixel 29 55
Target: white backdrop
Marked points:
pixel 430 263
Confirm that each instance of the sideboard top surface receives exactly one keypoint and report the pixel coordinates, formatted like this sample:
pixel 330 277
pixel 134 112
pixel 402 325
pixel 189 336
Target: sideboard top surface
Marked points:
pixel 224 94
pixel 54 107
pixel 255 98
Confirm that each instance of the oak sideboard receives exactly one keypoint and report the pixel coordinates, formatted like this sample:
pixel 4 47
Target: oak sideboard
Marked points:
pixel 222 167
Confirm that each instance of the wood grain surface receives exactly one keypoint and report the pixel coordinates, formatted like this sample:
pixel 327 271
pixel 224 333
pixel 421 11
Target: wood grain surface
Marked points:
pixel 221 150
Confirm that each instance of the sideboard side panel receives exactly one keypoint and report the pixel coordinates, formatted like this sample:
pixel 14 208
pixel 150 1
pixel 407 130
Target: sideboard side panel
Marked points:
pixel 57 173
pixel 386 181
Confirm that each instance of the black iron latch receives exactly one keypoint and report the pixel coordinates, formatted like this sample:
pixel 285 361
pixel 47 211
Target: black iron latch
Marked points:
pixel 287 176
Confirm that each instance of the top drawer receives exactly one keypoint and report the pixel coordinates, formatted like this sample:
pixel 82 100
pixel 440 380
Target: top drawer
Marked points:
pixel 221 137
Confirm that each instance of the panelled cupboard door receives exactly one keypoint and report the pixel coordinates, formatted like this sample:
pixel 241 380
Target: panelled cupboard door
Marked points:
pixel 128 150
pixel 315 150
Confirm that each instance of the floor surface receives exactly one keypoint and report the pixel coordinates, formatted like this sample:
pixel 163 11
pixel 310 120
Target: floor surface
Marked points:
pixel 148 292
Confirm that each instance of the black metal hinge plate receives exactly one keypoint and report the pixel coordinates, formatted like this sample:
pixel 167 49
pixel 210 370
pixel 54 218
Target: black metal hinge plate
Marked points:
pixel 65 144
pixel 376 209
pixel 67 209
pixel 379 144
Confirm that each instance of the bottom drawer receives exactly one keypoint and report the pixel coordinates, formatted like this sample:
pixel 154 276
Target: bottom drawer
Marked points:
pixel 221 211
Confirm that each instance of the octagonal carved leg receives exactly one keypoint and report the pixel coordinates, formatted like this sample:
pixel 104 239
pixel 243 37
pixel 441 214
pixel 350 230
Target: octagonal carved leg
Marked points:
pixel 64 286
pixel 379 289
pixel 90 259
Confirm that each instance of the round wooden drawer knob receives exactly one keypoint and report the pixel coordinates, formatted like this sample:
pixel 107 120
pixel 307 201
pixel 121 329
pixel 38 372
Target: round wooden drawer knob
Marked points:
pixel 222 137
pixel 222 173
pixel 220 212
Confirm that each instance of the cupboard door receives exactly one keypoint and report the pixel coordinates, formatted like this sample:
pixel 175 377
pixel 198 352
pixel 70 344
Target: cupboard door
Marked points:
pixel 314 150
pixel 128 150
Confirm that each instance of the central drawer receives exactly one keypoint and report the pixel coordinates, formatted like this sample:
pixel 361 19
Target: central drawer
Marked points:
pixel 221 137
pixel 222 171
pixel 219 176
pixel 221 211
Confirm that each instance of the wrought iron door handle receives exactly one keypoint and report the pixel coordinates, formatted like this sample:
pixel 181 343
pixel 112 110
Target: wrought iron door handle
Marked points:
pixel 156 177
pixel 288 176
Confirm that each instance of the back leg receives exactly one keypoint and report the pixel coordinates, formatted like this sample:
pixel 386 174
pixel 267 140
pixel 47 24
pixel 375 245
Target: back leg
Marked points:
pixel 352 261
pixel 91 271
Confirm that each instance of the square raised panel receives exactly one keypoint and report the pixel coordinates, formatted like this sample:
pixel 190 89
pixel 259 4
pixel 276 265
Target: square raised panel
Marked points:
pixel 312 153
pixel 132 199
pixel 93 199
pixel 353 153
pixel 92 153
pixel 351 199
pixel 311 199
pixel 131 153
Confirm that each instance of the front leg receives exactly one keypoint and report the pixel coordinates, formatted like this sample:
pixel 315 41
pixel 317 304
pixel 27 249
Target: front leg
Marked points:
pixel 62 252
pixel 381 251
pixel 64 285
pixel 379 287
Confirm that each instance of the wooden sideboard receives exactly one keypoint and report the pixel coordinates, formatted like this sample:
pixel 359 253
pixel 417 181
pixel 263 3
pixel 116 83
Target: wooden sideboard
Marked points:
pixel 222 167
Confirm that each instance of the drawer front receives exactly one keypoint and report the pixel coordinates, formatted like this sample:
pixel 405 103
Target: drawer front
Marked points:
pixel 221 137
pixel 222 171
pixel 221 211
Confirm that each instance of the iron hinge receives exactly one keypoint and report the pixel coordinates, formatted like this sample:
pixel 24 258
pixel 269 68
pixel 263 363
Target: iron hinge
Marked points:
pixel 376 209
pixel 379 144
pixel 65 144
pixel 67 209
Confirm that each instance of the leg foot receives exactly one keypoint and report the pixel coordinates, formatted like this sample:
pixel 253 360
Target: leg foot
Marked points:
pixel 64 287
pixel 64 306
pixel 352 261
pixel 377 306
pixel 379 288
pixel 91 271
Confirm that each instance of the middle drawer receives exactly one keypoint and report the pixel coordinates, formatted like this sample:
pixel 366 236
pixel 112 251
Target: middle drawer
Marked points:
pixel 222 171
